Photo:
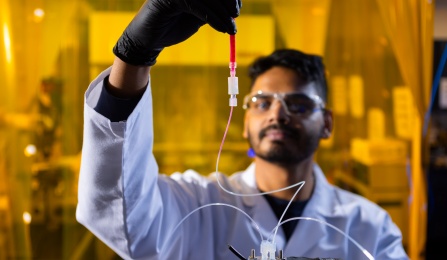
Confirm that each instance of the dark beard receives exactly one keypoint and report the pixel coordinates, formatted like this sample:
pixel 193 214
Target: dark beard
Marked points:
pixel 280 154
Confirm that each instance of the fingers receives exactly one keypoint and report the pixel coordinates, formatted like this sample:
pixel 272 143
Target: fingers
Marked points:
pixel 183 26
pixel 225 25
pixel 237 7
pixel 218 14
pixel 233 7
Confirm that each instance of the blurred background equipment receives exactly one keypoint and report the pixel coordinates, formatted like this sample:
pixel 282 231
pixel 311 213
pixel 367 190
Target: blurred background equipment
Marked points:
pixel 379 57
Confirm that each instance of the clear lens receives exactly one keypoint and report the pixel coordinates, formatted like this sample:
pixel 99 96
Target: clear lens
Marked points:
pixel 261 102
pixel 299 103
pixel 295 103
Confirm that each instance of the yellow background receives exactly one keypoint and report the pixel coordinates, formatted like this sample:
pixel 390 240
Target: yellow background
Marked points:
pixel 378 58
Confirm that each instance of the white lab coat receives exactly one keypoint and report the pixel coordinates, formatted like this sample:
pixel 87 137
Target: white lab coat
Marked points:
pixel 128 205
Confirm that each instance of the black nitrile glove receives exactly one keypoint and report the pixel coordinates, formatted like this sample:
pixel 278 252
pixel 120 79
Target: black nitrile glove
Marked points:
pixel 161 23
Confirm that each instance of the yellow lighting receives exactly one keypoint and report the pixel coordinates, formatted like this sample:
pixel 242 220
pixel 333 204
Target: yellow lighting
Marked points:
pixel 27 217
pixel 318 11
pixel 205 43
pixel 30 150
pixel 7 41
pixel 39 13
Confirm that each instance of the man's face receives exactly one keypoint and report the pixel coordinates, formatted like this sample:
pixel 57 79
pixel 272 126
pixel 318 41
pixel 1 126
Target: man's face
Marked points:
pixel 277 135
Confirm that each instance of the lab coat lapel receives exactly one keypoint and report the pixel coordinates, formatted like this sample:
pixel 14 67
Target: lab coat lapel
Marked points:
pixel 262 213
pixel 267 221
pixel 308 233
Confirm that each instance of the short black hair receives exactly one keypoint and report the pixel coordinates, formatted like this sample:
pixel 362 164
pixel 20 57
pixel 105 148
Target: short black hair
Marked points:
pixel 309 67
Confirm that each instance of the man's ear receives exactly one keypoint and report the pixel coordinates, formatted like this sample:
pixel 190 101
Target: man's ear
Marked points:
pixel 328 124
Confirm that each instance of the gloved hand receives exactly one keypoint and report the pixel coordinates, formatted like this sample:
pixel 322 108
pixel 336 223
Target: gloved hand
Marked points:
pixel 161 23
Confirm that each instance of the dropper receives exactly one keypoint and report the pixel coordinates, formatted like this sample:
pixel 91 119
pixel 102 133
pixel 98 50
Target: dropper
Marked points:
pixel 233 84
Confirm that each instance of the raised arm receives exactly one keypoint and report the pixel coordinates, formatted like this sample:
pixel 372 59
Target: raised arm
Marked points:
pixel 127 80
pixel 160 24
pixel 120 198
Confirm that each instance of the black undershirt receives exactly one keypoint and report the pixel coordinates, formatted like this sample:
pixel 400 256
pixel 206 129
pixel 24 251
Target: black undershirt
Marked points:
pixel 295 210
pixel 114 108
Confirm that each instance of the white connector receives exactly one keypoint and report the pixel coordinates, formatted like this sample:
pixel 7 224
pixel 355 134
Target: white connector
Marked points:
pixel 233 90
pixel 268 250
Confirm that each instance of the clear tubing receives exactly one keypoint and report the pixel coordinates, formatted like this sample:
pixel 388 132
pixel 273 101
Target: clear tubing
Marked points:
pixel 284 212
pixel 232 67
pixel 218 174
pixel 232 55
pixel 219 204
pixel 233 85
pixel 364 251
pixel 232 47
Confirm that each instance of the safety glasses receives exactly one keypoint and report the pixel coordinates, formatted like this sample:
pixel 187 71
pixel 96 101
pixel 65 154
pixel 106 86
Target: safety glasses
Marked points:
pixel 294 103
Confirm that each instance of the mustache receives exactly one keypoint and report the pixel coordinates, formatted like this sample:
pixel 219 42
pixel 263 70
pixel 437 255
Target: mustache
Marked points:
pixel 285 128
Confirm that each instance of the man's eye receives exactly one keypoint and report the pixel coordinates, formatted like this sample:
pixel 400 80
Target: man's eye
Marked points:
pixel 298 108
pixel 262 104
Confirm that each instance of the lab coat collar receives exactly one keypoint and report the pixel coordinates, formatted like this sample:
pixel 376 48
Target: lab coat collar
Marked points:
pixel 260 209
pixel 316 199
pixel 319 206
pixel 319 203
pixel 322 206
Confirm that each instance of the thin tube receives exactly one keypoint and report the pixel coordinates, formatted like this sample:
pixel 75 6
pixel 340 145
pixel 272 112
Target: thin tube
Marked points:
pixel 236 253
pixel 284 212
pixel 232 74
pixel 364 251
pixel 233 85
pixel 218 174
pixel 232 47
pixel 232 55
pixel 219 204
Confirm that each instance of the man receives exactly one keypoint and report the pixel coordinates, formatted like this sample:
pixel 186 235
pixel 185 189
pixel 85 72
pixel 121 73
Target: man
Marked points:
pixel 125 203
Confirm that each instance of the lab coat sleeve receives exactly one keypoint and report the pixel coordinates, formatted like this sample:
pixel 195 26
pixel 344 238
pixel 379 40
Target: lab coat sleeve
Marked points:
pixel 119 196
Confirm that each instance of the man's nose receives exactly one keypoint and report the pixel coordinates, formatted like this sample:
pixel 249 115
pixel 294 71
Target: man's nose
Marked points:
pixel 278 112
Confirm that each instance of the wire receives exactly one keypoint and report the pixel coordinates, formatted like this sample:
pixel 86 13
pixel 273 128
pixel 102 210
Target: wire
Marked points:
pixel 236 253
pixel 364 251
pixel 218 174
pixel 288 205
pixel 219 204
